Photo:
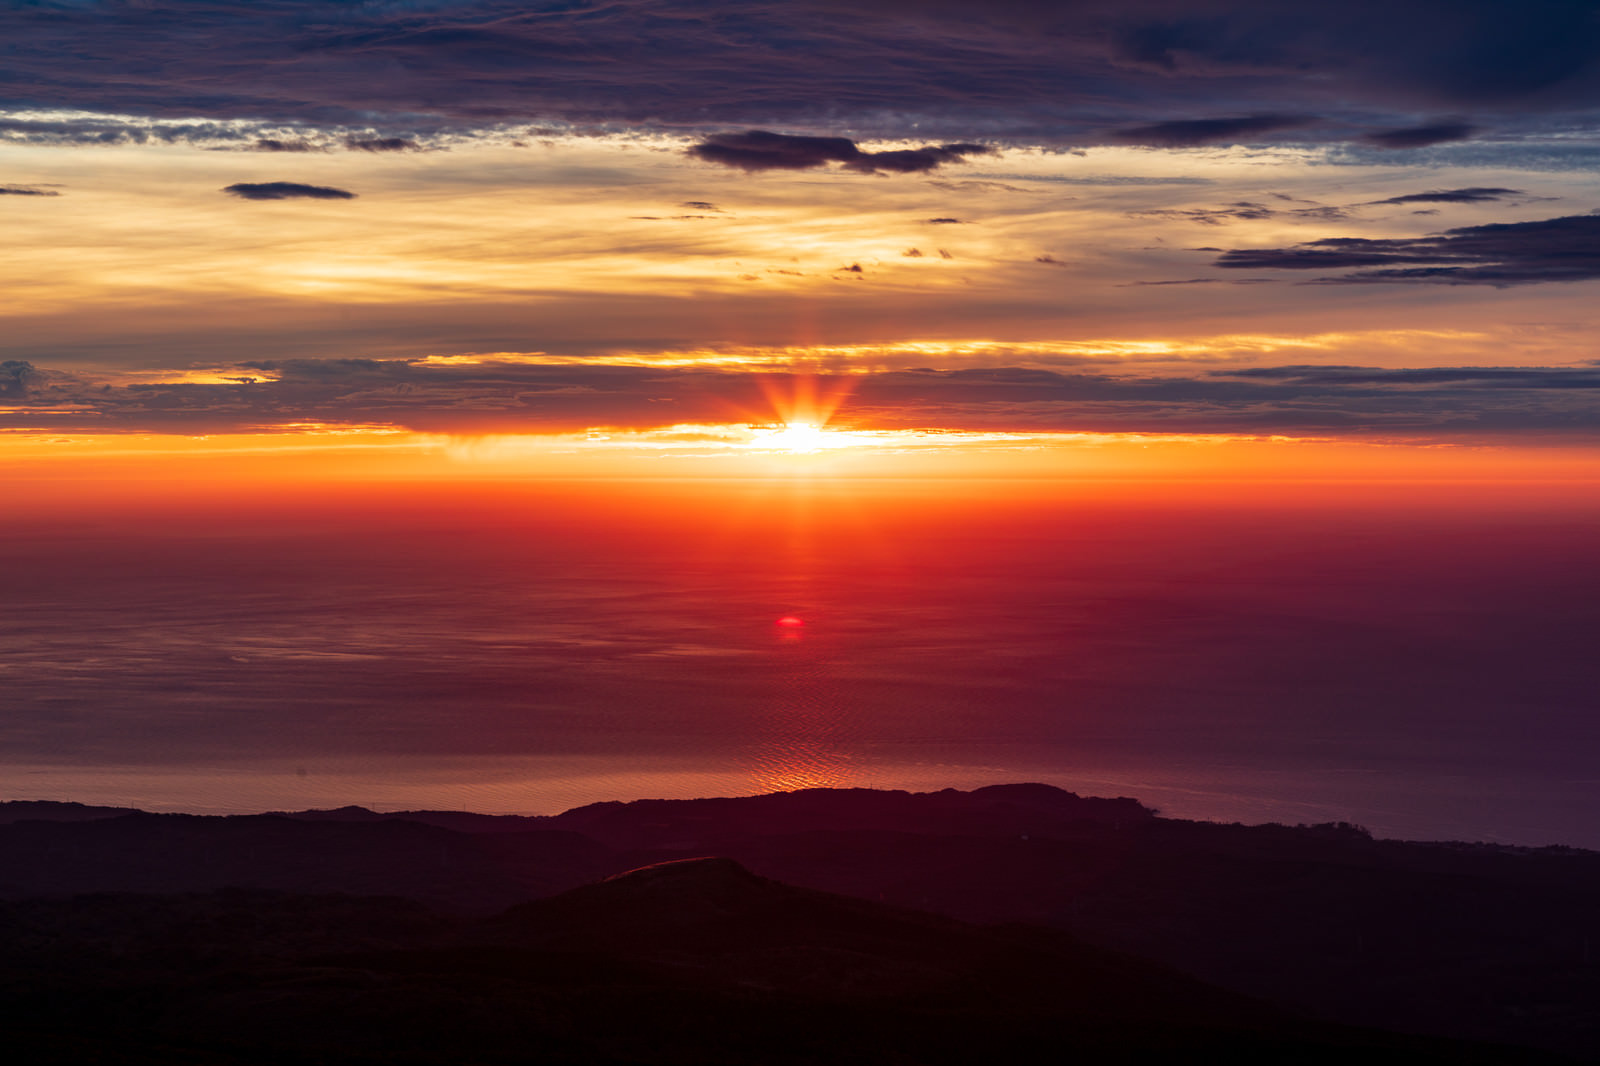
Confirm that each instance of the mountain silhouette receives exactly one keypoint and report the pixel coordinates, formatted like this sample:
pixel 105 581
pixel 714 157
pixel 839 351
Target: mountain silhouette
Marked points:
pixel 1476 942
pixel 685 962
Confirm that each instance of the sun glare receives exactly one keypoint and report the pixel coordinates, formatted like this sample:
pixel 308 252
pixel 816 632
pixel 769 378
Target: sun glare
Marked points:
pixel 800 438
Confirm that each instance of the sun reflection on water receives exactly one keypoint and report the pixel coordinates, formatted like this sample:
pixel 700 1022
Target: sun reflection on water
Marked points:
pixel 801 733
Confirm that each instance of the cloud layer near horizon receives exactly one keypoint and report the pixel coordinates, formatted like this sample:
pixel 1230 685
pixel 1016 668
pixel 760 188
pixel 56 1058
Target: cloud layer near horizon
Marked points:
pixel 1474 403
pixel 667 180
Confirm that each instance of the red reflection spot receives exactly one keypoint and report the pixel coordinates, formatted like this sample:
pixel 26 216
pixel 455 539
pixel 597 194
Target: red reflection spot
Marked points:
pixel 789 621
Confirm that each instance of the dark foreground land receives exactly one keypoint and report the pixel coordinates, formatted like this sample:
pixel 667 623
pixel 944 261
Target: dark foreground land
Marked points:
pixel 837 926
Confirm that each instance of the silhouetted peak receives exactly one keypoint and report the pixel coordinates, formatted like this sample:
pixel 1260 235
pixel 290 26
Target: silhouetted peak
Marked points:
pixel 700 906
pixel 687 890
pixel 347 813
pixel 719 823
pixel 706 870
pixel 1027 791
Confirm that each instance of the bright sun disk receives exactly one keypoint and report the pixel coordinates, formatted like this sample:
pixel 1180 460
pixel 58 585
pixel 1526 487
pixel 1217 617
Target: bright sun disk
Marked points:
pixel 799 437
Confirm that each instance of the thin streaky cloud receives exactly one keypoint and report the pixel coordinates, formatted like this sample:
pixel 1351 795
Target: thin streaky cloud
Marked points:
pixel 1474 195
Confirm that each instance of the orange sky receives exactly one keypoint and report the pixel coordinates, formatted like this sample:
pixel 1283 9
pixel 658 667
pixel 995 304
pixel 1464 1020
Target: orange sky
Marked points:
pixel 469 297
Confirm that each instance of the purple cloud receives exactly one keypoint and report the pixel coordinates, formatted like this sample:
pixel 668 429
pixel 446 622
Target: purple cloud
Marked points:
pixel 1420 136
pixel 1473 195
pixel 381 144
pixel 756 150
pixel 286 190
pixel 1091 72
pixel 1499 254
pixel 1190 133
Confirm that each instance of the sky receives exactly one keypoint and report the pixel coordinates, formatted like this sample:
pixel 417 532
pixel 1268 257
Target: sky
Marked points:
pixel 268 257
pixel 1369 224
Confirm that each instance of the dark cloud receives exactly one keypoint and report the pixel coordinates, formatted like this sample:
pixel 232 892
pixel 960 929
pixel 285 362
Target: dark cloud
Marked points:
pixel 946 221
pixel 1443 51
pixel 1078 73
pixel 700 205
pixel 382 144
pixel 1469 402
pixel 286 190
pixel 1448 402
pixel 1420 136
pixel 1499 254
pixel 760 150
pixel 26 190
pixel 14 375
pixel 916 160
pixel 1191 133
pixel 1474 195
pixel 491 397
pixel 755 150
pixel 1472 403
pixel 273 144
pixel 1491 377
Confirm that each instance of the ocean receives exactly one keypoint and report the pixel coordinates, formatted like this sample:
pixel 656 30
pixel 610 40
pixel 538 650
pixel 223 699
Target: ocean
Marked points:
pixel 1415 658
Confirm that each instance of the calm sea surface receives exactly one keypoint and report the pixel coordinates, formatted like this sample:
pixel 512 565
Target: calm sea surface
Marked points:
pixel 1416 659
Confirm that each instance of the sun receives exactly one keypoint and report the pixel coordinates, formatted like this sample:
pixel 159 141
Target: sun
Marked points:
pixel 806 438
pixel 799 438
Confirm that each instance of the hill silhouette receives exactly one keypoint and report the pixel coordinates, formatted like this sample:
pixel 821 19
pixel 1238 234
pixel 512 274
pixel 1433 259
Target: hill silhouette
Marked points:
pixel 687 962
pixel 1459 941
